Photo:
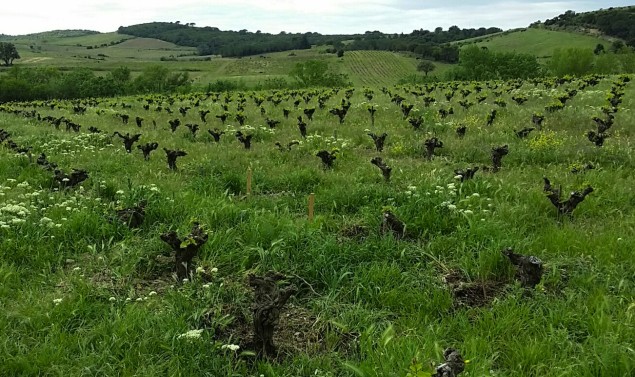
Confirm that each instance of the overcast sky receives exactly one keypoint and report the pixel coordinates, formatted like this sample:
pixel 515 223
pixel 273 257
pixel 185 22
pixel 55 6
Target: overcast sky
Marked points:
pixel 323 16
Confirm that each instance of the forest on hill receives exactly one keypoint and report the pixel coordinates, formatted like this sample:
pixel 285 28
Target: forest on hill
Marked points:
pixel 614 22
pixel 213 41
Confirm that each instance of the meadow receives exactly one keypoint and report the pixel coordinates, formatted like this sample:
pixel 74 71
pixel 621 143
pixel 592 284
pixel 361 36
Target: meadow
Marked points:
pixel 387 274
pixel 538 42
pixel 104 52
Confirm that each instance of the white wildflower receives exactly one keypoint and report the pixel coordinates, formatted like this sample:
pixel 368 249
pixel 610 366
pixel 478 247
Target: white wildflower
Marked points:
pixel 192 334
pixel 57 301
pixel 451 207
pixel 231 347
pixel 214 270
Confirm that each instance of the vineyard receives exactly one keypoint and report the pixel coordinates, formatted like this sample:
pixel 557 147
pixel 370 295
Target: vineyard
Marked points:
pixel 472 229
pixel 377 68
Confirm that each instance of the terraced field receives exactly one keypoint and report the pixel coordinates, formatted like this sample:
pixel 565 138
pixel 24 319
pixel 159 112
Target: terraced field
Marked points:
pixel 377 68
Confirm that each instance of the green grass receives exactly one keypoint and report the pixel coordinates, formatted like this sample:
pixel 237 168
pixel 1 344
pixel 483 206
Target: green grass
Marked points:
pixel 539 42
pixel 83 294
pixel 363 67
pixel 90 40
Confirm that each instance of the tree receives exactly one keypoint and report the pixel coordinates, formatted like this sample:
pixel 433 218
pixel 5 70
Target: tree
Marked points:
pixel 599 49
pixel 317 73
pixel 478 64
pixel 340 53
pixel 158 79
pixel 617 46
pixel 120 74
pixel 8 53
pixel 426 67
pixel 571 61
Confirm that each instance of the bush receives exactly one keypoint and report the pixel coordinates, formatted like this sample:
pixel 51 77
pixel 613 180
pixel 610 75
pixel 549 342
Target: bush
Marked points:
pixel 571 61
pixel 226 86
pixel 21 84
pixel 318 73
pixel 476 63
pixel 273 83
pixel 158 79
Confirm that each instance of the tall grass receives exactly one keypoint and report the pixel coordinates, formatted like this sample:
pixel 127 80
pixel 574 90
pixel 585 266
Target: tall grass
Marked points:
pixel 82 294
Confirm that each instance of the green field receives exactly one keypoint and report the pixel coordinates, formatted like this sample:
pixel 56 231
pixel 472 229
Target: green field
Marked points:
pixel 363 67
pixel 539 42
pixel 371 68
pixel 83 294
pixel 72 52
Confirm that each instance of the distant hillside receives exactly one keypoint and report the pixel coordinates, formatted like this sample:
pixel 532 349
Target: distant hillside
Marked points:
pixel 614 22
pixel 538 42
pixel 433 45
pixel 212 41
pixel 51 34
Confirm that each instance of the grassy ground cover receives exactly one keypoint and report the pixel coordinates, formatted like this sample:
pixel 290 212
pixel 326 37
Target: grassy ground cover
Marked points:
pixel 83 294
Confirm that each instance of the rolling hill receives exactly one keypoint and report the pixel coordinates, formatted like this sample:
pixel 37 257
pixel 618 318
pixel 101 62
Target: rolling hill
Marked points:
pixel 381 64
pixel 538 42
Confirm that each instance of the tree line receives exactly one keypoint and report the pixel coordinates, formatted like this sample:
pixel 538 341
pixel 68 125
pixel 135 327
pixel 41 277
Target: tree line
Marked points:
pixel 614 22
pixel 433 45
pixel 212 41
pixel 481 64
pixel 27 84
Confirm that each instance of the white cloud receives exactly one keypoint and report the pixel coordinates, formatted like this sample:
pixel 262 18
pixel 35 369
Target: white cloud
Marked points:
pixel 324 16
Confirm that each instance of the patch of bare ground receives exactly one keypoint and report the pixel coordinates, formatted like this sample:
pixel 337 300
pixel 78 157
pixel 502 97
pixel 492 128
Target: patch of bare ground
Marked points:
pixel 299 331
pixel 477 293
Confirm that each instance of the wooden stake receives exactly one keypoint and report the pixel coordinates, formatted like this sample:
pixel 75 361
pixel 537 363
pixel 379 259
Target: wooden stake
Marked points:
pixel 311 206
pixel 249 174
